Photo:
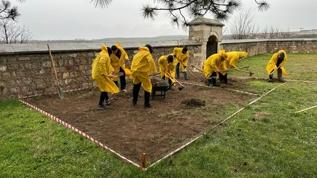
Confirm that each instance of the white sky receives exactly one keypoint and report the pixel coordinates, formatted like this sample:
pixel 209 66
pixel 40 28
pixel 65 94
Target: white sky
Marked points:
pixel 79 19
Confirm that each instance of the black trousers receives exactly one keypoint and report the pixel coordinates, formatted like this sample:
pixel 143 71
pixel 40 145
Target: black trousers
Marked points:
pixel 102 98
pixel 136 90
pixel 177 72
pixel 223 78
pixel 123 82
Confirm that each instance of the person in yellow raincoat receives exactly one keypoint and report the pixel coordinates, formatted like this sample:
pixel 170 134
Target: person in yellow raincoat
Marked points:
pixel 118 59
pixel 182 56
pixel 214 64
pixel 142 67
pixel 231 62
pixel 277 63
pixel 167 69
pixel 102 73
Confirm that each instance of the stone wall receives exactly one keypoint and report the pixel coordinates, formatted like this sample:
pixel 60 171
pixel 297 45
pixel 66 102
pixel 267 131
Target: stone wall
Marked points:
pixel 30 73
pixel 255 47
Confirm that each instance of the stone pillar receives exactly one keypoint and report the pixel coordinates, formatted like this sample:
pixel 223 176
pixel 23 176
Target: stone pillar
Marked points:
pixel 202 30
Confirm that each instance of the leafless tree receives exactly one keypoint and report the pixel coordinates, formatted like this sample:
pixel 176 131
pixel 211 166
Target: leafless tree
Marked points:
pixel 11 32
pixel 243 26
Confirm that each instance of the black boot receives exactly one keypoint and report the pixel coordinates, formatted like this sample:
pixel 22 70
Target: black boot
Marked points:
pixel 123 82
pixel 280 75
pixel 177 71
pixel 225 79
pixel 214 81
pixel 147 99
pixel 103 97
pixel 136 89
pixel 271 77
pixel 185 75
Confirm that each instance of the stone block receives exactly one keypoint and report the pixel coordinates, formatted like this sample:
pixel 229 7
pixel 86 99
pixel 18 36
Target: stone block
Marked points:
pixel 13 90
pixel 21 58
pixel 47 64
pixel 3 68
pixel 42 71
pixel 66 75
pixel 6 75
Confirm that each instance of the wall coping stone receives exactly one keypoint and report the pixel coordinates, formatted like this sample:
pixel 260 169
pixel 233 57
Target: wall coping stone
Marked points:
pixel 35 48
pixel 268 40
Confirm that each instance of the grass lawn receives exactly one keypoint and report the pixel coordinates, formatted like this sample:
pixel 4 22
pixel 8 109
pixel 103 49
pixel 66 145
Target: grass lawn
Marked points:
pixel 265 140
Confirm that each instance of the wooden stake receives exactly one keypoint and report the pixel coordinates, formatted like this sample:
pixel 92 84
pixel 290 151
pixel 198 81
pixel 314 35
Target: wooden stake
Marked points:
pixel 143 160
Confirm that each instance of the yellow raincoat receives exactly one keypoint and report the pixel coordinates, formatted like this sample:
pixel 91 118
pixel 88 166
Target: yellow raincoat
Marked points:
pixel 233 58
pixel 118 62
pixel 271 65
pixel 167 69
pixel 142 66
pixel 214 64
pixel 101 67
pixel 181 58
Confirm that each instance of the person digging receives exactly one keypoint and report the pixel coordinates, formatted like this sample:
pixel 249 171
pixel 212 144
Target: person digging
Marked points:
pixel 214 65
pixel 181 55
pixel 231 62
pixel 167 69
pixel 277 63
pixel 142 67
pixel 102 73
pixel 118 59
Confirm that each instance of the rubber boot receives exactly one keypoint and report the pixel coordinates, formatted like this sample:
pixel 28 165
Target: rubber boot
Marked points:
pixel 185 76
pixel 177 71
pixel 103 97
pixel 147 99
pixel 122 81
pixel 280 75
pixel 225 79
pixel 271 78
pixel 136 89
pixel 213 81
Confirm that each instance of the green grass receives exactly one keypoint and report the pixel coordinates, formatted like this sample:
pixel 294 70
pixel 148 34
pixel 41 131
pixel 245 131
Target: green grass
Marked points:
pixel 265 140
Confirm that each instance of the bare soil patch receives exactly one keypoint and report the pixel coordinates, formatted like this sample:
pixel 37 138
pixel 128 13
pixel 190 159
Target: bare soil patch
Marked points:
pixel 132 131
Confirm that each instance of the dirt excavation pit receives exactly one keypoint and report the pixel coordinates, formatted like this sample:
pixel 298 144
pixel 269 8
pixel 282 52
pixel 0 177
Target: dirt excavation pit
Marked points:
pixel 194 103
pixel 131 131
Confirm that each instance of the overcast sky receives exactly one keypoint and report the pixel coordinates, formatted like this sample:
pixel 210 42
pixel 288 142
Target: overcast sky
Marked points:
pixel 79 19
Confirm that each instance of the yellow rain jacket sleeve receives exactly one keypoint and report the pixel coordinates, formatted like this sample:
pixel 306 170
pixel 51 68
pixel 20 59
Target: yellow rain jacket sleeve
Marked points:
pixel 167 69
pixel 271 65
pixel 233 58
pixel 142 66
pixel 181 58
pixel 214 64
pixel 101 67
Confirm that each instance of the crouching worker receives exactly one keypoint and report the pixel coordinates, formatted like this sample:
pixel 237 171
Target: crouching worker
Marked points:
pixel 181 55
pixel 118 58
pixel 277 62
pixel 214 65
pixel 142 67
pixel 102 73
pixel 167 69
pixel 231 62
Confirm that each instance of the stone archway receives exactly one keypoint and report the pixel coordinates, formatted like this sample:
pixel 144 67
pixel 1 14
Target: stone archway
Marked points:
pixel 212 46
